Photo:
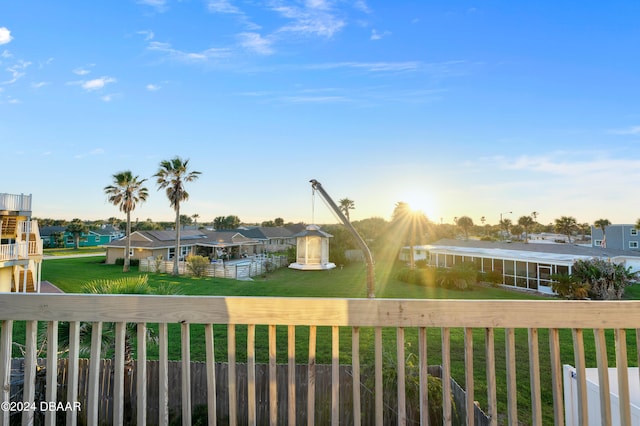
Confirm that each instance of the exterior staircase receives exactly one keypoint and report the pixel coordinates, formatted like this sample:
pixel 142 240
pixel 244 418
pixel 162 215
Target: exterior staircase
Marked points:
pixel 31 288
pixel 9 226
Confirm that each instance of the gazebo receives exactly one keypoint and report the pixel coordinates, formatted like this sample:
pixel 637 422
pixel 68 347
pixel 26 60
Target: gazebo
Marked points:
pixel 312 250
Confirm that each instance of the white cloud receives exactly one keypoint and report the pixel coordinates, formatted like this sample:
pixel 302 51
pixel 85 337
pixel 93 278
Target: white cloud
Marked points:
pixel 97 84
pixel 159 5
pixel 255 43
pixel 375 35
pixel 38 84
pixel 17 71
pixel 222 6
pixel 152 87
pixel 96 151
pixel 82 70
pixel 148 34
pixel 6 54
pixel 633 130
pixel 5 35
pixel 188 56
pixel 362 6
pixel 315 18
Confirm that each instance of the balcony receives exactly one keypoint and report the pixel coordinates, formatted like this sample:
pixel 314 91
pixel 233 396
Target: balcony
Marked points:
pixel 15 202
pixel 482 338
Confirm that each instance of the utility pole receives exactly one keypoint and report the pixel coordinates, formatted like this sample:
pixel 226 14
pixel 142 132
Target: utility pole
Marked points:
pixel 371 281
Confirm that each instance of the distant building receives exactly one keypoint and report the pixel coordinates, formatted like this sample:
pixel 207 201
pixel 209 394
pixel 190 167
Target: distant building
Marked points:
pixel 526 266
pixel 619 237
pixel 20 246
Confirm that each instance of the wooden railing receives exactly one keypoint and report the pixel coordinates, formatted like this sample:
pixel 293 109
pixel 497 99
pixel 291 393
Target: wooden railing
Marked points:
pixel 502 326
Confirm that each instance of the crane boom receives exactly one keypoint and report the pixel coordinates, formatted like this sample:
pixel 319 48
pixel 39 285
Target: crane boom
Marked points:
pixel 371 281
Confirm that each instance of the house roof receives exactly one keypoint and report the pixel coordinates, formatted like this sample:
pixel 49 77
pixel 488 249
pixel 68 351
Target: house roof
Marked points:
pixel 526 251
pixel 266 232
pixel 165 239
pixel 47 231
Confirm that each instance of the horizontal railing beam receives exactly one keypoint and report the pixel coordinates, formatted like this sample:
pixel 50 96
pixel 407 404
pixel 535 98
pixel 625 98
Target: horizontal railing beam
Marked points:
pixel 322 311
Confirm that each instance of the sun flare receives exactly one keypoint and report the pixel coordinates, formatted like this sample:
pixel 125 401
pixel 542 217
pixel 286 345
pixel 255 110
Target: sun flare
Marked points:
pixel 420 201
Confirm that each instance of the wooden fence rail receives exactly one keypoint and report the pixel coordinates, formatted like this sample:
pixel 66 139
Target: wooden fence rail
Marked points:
pixel 459 326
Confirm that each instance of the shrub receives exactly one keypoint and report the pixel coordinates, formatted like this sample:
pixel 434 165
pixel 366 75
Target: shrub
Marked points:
pixel 132 262
pixel 417 276
pixel 492 277
pixel 567 287
pixel 460 276
pixel 422 264
pixel 197 265
pixel 606 280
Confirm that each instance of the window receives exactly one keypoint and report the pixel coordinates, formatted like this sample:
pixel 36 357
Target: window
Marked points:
pixel 634 232
pixel 633 244
pixel 597 243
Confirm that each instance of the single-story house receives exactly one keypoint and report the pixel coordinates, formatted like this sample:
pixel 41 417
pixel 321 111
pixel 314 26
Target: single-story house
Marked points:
pixel 272 238
pixel 527 266
pixel 57 236
pixel 214 244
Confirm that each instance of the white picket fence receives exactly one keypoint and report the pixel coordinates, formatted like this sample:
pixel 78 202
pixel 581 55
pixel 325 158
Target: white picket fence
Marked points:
pixel 234 269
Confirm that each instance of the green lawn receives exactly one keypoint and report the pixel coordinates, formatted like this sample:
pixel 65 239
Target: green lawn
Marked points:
pixel 71 273
pixel 71 251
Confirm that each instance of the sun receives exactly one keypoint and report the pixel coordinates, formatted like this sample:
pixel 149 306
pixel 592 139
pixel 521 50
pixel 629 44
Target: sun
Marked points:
pixel 420 200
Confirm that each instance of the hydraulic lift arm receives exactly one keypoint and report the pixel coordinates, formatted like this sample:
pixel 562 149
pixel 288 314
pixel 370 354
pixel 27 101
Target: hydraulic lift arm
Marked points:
pixel 371 282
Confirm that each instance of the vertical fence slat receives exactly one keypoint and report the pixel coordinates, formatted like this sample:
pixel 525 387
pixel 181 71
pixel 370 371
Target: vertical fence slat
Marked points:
pixel 355 365
pixel 378 376
pixel 311 378
pixel 534 377
pixel 446 376
pixel 623 376
pixel 163 374
pixel 95 365
pixel 512 392
pixel 118 374
pixel 211 374
pixel 603 376
pixel 424 378
pixel 5 367
pixel 251 374
pixel 73 368
pixel 30 367
pixel 291 385
pixel 581 376
pixel 232 386
pixel 273 378
pixel 52 371
pixel 468 375
pixel 556 377
pixel 185 337
pixel 490 354
pixel 141 375
pixel 335 376
pixel 402 401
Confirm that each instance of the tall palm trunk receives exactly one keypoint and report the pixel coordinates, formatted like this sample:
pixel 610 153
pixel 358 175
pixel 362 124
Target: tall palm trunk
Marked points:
pixel 127 249
pixel 176 257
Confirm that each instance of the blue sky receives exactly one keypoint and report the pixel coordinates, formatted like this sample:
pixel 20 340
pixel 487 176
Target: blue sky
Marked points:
pixel 456 107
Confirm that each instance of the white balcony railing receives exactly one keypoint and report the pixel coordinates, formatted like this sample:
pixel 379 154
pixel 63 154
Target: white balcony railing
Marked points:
pixel 15 202
pixel 14 251
pixel 486 335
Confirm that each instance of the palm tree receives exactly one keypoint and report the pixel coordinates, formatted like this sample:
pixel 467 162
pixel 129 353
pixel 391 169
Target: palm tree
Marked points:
pixel 526 222
pixel 171 176
pixel 408 224
pixel 602 224
pixel 195 218
pixel 77 228
pixel 346 205
pixel 125 193
pixel 466 223
pixel 566 225
pixel 505 224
